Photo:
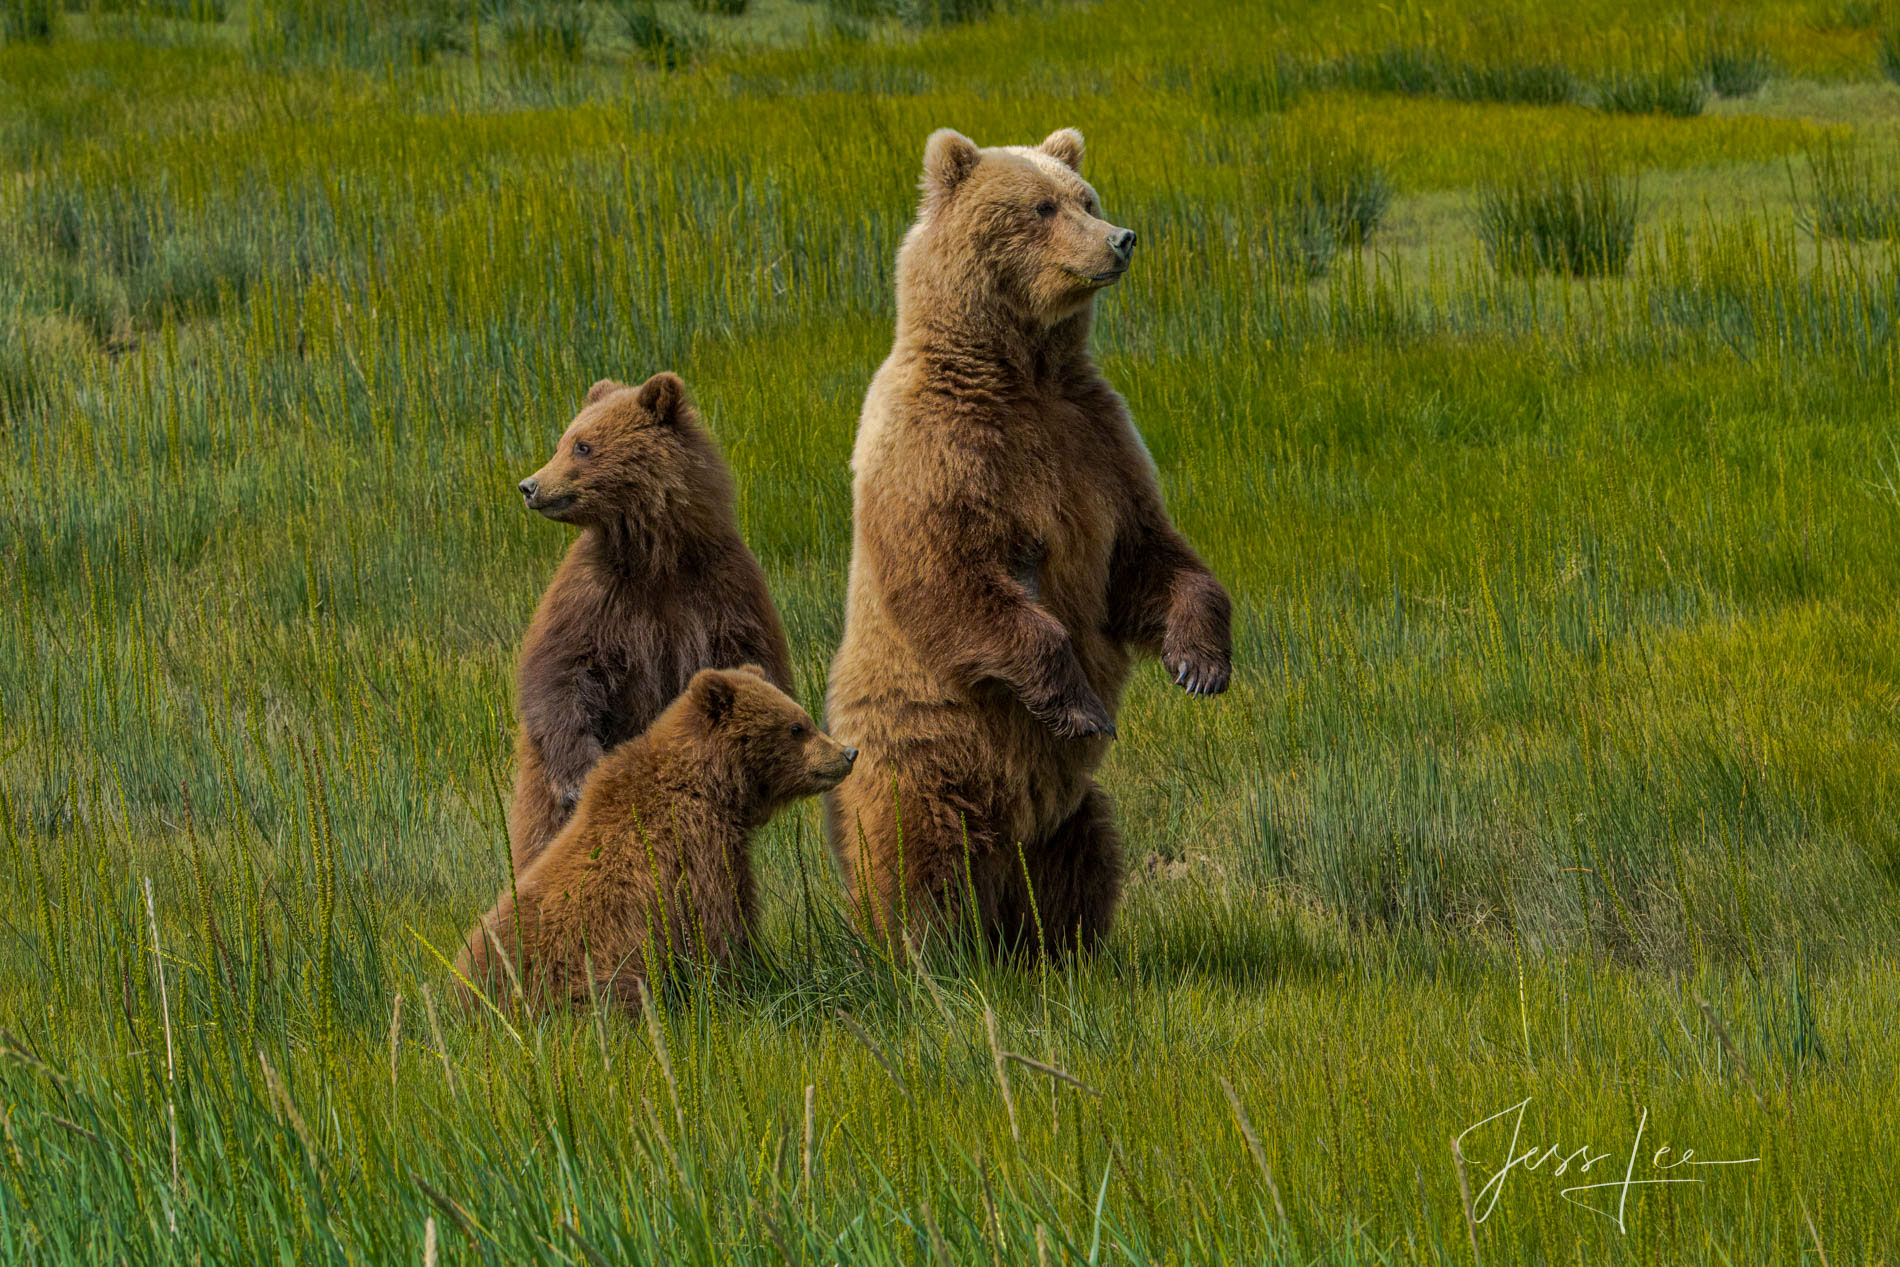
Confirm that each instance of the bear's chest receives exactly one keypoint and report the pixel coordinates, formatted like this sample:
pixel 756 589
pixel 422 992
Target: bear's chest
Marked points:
pixel 1070 505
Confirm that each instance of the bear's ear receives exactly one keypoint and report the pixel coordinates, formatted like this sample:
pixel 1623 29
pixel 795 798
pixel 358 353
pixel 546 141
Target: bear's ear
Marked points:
pixel 1065 146
pixel 662 395
pixel 949 158
pixel 604 388
pixel 753 669
pixel 712 694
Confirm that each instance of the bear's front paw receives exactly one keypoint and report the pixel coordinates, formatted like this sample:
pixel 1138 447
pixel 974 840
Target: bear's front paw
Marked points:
pixel 1083 719
pixel 1199 673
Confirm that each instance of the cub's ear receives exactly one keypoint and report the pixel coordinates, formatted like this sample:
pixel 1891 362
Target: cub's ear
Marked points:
pixel 712 695
pixel 1065 146
pixel 949 158
pixel 605 387
pixel 662 395
pixel 753 669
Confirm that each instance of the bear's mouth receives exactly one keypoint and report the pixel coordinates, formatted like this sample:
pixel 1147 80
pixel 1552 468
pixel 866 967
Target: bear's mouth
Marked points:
pixel 551 506
pixel 830 776
pixel 1108 278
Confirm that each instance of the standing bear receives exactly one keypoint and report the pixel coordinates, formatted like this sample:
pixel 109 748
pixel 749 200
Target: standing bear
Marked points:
pixel 655 871
pixel 658 585
pixel 1010 556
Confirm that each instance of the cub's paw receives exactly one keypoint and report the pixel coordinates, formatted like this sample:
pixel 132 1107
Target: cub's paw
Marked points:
pixel 1078 719
pixel 1197 672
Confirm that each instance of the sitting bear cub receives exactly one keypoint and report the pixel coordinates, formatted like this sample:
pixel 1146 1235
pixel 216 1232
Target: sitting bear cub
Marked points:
pixel 654 866
pixel 658 586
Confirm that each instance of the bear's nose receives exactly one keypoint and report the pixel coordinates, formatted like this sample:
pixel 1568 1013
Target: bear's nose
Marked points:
pixel 527 487
pixel 850 756
pixel 1122 243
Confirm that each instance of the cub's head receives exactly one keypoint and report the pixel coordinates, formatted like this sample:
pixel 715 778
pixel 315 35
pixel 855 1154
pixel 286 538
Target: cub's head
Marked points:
pixel 630 452
pixel 758 737
pixel 1018 221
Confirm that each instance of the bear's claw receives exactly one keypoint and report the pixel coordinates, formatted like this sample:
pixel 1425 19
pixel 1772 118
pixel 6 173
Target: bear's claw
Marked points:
pixel 1200 680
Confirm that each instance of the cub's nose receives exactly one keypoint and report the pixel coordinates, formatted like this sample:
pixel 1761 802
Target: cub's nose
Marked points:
pixel 850 756
pixel 528 487
pixel 1122 243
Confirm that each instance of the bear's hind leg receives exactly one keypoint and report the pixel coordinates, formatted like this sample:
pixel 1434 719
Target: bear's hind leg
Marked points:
pixel 1074 881
pixel 902 853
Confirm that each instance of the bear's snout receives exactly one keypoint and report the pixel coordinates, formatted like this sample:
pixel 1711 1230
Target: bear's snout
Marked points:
pixel 1122 242
pixel 850 756
pixel 527 488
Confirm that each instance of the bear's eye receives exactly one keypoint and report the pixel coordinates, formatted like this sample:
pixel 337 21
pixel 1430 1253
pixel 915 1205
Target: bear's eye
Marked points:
pixel 582 448
pixel 1045 208
pixel 798 730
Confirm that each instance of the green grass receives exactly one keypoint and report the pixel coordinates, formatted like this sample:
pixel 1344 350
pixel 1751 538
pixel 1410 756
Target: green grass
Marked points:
pixel 1560 762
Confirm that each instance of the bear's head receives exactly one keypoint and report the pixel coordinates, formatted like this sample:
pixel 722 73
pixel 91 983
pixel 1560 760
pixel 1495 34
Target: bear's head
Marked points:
pixel 756 741
pixel 632 455
pixel 1014 227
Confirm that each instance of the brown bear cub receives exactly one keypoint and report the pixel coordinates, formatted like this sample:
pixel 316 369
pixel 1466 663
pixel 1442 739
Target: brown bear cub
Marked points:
pixel 654 869
pixel 1011 556
pixel 658 586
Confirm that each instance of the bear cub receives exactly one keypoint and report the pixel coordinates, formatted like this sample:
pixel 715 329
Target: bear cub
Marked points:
pixel 654 866
pixel 658 586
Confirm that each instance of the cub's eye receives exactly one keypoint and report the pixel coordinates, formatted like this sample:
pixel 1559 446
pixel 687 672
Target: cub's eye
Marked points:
pixel 798 730
pixel 1045 208
pixel 582 448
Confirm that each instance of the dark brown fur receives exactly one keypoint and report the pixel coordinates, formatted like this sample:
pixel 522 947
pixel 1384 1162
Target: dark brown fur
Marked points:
pixel 658 586
pixel 654 868
pixel 1011 557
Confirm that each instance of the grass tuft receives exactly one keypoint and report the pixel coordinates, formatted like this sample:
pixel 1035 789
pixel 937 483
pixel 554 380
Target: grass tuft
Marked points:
pixel 1733 61
pixel 1577 218
pixel 1887 52
pixel 535 29
pixel 1424 70
pixel 665 41
pixel 1853 195
pixel 29 21
pixel 1328 196
pixel 1679 92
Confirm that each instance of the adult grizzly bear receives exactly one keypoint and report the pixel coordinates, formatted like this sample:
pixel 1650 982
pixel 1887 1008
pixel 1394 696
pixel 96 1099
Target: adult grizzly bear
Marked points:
pixel 1010 556
pixel 654 869
pixel 658 586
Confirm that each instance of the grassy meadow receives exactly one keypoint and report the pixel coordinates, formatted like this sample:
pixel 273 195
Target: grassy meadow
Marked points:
pixel 1527 372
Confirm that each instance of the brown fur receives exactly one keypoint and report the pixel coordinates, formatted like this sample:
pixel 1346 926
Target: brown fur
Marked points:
pixel 658 586
pixel 1011 555
pixel 654 867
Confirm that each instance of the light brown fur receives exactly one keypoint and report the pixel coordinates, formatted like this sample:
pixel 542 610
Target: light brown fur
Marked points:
pixel 658 586
pixel 654 868
pixel 1011 556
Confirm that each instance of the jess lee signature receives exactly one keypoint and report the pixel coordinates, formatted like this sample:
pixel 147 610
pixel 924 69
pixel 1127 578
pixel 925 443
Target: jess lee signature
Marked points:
pixel 1664 1165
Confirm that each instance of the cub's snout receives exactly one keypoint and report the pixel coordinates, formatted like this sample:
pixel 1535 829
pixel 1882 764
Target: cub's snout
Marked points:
pixel 831 770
